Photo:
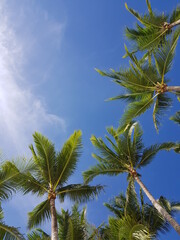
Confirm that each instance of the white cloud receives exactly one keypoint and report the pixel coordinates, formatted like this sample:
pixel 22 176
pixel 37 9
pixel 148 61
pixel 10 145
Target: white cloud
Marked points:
pixel 21 111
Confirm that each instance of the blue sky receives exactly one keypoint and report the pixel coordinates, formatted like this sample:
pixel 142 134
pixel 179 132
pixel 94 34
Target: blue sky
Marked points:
pixel 49 50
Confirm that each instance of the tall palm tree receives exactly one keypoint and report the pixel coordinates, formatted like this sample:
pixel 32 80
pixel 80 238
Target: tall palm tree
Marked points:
pixel 8 173
pixel 127 154
pixel 48 176
pixel 153 30
pixel 147 85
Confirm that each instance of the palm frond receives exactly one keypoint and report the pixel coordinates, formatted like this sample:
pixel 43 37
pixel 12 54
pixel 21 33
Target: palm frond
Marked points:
pixel 163 102
pixel 176 117
pixel 79 192
pixel 10 233
pixel 45 156
pixel 128 228
pixel 136 109
pixel 31 184
pixel 175 15
pixel 39 214
pixel 67 158
pixel 8 174
pixel 38 234
pixel 150 153
pixel 165 54
pixel 108 156
pixel 63 224
pixel 100 169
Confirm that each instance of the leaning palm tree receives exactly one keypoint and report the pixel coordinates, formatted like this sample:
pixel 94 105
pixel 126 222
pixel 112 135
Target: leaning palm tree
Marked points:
pixel 48 176
pixel 127 154
pixel 146 85
pixel 154 29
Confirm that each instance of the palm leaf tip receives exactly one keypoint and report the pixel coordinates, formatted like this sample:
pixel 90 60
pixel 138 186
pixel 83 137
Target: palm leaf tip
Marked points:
pixel 176 117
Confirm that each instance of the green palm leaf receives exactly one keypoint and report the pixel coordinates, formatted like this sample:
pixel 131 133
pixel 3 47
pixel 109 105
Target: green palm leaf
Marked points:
pixel 100 169
pixel 135 109
pixel 78 192
pixel 163 102
pixel 38 234
pixel 67 158
pixel 10 233
pixel 39 214
pixel 150 153
pixel 175 15
pixel 176 117
pixel 8 173
pixel 45 157
pixel 165 54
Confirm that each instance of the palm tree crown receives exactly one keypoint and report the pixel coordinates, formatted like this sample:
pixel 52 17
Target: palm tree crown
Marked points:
pixel 49 174
pixel 145 84
pixel 153 30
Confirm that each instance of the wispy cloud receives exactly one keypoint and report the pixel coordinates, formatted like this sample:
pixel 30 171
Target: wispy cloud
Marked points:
pixel 21 111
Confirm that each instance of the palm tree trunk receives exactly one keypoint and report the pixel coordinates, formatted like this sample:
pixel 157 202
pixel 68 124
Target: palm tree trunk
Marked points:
pixel 54 227
pixel 160 209
pixel 174 24
pixel 173 88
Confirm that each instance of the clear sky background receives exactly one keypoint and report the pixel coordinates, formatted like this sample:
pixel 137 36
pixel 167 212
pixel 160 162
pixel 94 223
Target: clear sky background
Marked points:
pixel 48 52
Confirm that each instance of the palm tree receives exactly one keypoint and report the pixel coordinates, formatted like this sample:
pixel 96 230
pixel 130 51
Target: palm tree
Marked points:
pixel 154 29
pixel 127 154
pixel 8 173
pixel 48 176
pixel 146 85
pixel 141 213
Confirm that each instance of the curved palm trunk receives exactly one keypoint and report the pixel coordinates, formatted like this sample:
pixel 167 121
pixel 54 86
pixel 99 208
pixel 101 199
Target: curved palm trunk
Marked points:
pixel 160 209
pixel 54 227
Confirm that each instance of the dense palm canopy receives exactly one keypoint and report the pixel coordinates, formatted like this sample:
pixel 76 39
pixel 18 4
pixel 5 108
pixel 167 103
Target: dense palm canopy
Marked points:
pixel 140 213
pixel 48 175
pixel 152 29
pixel 73 225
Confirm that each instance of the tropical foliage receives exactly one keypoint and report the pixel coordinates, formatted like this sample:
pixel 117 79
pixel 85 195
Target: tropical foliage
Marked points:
pixel 152 29
pixel 145 84
pixel 48 175
pixel 125 153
